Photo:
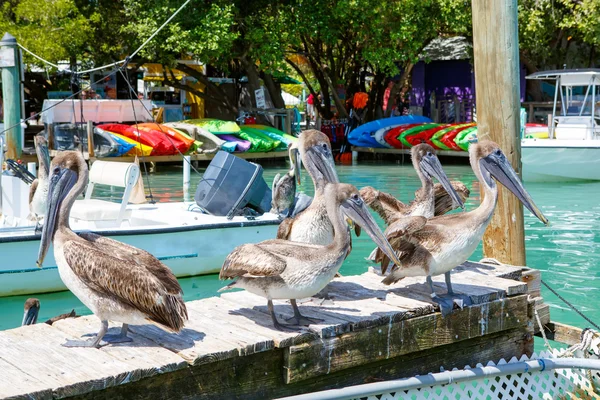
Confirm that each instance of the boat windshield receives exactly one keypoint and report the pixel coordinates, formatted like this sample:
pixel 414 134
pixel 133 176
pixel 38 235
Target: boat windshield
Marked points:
pixel 579 100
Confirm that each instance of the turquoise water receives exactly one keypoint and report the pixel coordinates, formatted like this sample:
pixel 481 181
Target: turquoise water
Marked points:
pixel 568 252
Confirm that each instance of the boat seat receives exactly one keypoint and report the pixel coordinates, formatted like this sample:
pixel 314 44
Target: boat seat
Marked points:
pixel 110 173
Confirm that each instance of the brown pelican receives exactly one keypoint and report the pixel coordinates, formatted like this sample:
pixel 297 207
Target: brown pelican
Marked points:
pixel 284 188
pixel 281 269
pixel 115 281
pixel 312 225
pixel 32 309
pixel 429 200
pixel 38 192
pixel 435 246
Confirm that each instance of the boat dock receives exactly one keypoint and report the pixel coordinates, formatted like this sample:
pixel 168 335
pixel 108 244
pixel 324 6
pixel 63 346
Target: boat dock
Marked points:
pixel 228 349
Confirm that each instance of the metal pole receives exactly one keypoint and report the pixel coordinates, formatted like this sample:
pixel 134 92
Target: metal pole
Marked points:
pixel 11 94
pixel 186 177
pixel 449 377
pixel 554 107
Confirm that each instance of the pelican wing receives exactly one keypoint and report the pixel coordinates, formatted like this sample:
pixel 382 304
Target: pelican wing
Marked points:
pixel 268 258
pixel 443 201
pixel 126 252
pixel 32 190
pixel 285 229
pixel 151 289
pixel 384 204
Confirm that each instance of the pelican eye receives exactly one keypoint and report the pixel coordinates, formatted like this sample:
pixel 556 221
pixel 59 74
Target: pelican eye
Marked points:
pixel 56 170
pixel 498 152
pixel 429 154
pixel 325 146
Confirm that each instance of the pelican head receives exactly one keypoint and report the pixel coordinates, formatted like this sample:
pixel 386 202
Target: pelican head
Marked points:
pixel 295 161
pixel 315 150
pixel 353 207
pixel 67 169
pixel 426 161
pixel 41 149
pixel 493 163
pixel 30 315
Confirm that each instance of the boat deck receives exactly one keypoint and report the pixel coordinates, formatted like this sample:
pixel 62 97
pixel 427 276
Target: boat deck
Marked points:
pixel 229 349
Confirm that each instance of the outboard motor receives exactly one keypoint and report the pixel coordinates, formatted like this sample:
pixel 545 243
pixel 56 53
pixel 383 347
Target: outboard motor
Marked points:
pixel 231 184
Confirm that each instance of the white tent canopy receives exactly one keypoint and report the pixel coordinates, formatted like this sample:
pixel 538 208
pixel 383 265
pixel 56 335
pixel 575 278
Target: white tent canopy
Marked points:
pixel 290 99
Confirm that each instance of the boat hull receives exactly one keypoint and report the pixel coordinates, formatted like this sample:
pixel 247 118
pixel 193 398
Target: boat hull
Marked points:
pixel 560 161
pixel 188 250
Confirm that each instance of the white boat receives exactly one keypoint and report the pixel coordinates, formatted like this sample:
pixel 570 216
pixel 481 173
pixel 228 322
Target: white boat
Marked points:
pixel 572 149
pixel 180 234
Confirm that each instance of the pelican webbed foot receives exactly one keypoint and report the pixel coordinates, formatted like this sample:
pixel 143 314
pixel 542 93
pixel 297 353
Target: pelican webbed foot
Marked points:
pixel 447 301
pixel 119 338
pixel 299 319
pixel 96 341
pixel 276 324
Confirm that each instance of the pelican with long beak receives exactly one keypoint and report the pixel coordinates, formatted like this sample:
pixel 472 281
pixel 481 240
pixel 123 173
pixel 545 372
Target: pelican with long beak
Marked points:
pixel 435 246
pixel 312 225
pixel 38 192
pixel 32 309
pixel 115 281
pixel 284 187
pixel 430 199
pixel 282 269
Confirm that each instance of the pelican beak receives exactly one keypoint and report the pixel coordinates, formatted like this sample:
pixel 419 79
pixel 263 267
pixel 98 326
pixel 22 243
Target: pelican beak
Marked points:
pixel 321 158
pixel 42 150
pixel 432 166
pixel 355 209
pixel 61 182
pixel 30 316
pixel 497 165
pixel 296 163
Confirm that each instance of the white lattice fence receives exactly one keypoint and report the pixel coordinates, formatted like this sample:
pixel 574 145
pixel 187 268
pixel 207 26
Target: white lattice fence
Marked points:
pixel 557 384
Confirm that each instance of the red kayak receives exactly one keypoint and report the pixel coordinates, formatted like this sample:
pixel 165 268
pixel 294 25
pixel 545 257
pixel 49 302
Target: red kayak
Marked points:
pixel 448 138
pixel 174 134
pixel 160 143
pixel 392 137
pixel 425 136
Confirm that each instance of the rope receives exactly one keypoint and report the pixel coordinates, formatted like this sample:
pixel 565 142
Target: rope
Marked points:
pixel 126 77
pixel 496 262
pixel 132 90
pixel 34 116
pixel 117 63
pixel 571 306
pixel 159 29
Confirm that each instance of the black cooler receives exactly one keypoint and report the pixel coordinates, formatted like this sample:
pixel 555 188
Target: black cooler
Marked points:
pixel 231 184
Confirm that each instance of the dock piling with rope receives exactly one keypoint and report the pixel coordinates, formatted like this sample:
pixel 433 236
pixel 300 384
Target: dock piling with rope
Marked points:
pixel 229 349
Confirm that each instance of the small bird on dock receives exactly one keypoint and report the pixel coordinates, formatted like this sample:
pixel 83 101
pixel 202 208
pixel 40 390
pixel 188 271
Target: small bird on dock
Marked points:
pixel 32 309
pixel 435 246
pixel 282 269
pixel 115 281
pixel 38 192
pixel 429 200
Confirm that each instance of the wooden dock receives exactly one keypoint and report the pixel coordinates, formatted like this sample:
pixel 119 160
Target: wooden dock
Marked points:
pixel 229 349
pixel 442 153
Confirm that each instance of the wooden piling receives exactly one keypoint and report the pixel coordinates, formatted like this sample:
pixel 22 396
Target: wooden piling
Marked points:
pixel 229 349
pixel 11 95
pixel 496 57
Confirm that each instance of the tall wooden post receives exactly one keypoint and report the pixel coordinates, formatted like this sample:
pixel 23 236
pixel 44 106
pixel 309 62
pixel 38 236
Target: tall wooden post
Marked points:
pixel 11 94
pixel 496 56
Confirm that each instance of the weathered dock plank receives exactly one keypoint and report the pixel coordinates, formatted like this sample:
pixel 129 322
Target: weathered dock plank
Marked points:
pixel 229 348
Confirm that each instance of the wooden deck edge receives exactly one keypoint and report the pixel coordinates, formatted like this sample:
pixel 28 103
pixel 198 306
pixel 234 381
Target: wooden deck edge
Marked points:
pixel 561 333
pixel 399 338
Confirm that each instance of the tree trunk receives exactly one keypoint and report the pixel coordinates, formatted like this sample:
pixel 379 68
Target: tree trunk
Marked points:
pixel 533 87
pixel 396 88
pixel 223 99
pixel 274 89
pixel 375 96
pixel 253 77
pixel 339 105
